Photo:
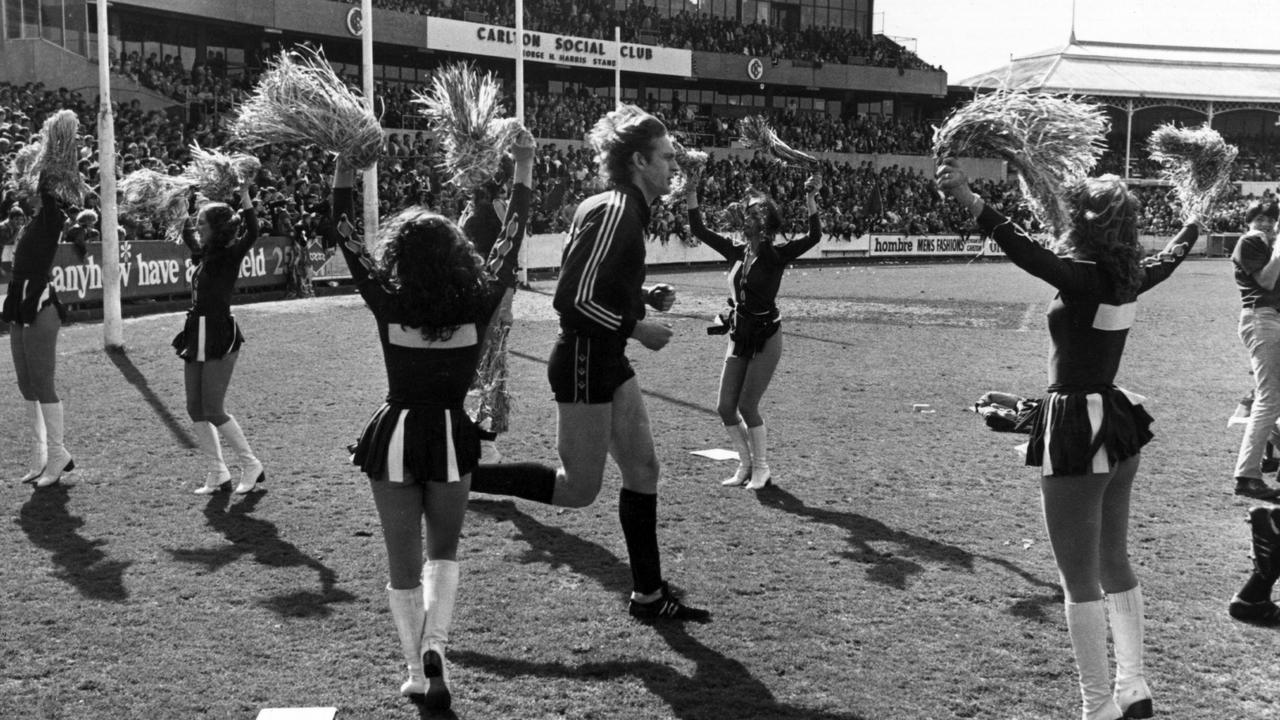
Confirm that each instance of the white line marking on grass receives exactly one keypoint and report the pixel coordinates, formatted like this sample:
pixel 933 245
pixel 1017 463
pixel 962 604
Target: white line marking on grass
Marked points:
pixel 1027 317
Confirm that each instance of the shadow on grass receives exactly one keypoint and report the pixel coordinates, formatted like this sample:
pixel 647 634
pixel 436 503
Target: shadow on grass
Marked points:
pixel 120 358
pixel 260 539
pixel 892 568
pixel 79 560
pixel 719 687
pixel 425 713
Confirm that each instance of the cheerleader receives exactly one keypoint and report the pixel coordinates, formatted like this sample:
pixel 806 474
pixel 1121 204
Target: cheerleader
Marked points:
pixel 752 321
pixel 35 316
pixel 1087 434
pixel 431 296
pixel 210 340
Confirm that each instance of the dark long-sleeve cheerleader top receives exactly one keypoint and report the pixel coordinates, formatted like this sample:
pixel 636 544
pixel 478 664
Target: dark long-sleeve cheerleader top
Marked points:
pixel 439 375
pixel 1088 322
pixel 29 288
pixel 755 291
pixel 217 270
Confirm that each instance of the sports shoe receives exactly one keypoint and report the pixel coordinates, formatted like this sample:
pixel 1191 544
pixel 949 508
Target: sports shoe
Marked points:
pixel 667 607
pixel 1255 488
pixel 1264 612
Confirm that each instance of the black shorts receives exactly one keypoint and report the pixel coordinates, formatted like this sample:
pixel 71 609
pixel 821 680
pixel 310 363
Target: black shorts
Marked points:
pixel 586 369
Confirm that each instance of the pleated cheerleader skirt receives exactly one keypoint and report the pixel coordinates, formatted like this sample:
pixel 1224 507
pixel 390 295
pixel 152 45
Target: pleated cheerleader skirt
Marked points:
pixel 26 298
pixel 417 443
pixel 1087 432
pixel 208 337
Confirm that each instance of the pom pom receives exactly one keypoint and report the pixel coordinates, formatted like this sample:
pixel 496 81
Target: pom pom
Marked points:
pixel 146 195
pixel 1197 162
pixel 1049 141
pixel 465 110
pixel 301 100
pixel 52 163
pixel 691 164
pixel 217 175
pixel 489 401
pixel 756 134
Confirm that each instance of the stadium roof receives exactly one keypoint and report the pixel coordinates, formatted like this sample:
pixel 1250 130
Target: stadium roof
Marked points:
pixel 1228 78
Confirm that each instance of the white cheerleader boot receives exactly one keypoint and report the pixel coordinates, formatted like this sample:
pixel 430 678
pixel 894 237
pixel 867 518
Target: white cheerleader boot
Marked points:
pixel 39 445
pixel 251 472
pixel 1125 615
pixel 217 476
pixel 760 474
pixel 439 590
pixel 59 461
pixel 1087 626
pixel 407 614
pixel 738 435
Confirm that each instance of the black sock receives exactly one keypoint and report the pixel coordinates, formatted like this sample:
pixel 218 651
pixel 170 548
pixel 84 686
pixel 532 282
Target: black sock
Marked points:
pixel 531 481
pixel 1256 589
pixel 486 434
pixel 638 514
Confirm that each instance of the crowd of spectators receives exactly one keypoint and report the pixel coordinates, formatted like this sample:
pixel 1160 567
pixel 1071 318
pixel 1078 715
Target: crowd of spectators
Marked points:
pixel 293 185
pixel 691 31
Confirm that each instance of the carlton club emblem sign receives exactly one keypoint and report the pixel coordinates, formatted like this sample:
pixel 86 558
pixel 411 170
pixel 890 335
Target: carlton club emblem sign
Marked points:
pixel 755 69
pixel 355 22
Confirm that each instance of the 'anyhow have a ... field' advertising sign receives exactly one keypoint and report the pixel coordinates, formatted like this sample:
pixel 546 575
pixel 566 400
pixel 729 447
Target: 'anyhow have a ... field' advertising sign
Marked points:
pixel 157 269
pixel 496 41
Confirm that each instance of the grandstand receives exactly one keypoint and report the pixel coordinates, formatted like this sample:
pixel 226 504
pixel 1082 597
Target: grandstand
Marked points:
pixel 1144 86
pixel 861 102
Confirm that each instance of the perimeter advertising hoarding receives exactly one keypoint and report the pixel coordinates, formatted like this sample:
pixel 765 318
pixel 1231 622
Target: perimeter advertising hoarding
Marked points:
pixel 929 246
pixel 496 41
pixel 154 268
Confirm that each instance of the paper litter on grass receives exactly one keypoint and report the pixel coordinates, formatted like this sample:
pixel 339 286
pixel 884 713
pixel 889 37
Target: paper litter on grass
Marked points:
pixel 716 454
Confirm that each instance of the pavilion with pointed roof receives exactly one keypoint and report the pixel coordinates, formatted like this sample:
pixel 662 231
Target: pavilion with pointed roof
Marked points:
pixel 1133 78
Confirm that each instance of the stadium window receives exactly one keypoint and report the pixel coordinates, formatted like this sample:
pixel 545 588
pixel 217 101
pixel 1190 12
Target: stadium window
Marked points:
pixel 12 18
pixel 30 19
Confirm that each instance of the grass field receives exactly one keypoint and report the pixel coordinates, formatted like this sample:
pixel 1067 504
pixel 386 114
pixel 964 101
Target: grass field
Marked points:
pixel 899 569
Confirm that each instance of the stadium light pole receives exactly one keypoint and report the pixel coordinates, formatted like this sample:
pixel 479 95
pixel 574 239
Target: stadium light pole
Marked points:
pixel 112 323
pixel 366 61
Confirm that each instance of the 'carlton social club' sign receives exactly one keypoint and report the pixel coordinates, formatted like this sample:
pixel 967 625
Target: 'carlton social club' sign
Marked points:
pixel 496 41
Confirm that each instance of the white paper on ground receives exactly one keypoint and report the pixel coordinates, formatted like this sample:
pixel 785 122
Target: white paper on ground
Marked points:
pixel 308 713
pixel 717 454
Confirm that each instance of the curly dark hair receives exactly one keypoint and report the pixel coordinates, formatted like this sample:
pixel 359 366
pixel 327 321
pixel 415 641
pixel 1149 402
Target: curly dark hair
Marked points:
pixel 1104 229
pixel 436 279
pixel 618 135
pixel 223 221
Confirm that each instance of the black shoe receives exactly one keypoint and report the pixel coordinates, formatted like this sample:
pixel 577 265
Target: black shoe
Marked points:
pixel 1264 612
pixel 667 607
pixel 1266 540
pixel 1270 465
pixel 1255 488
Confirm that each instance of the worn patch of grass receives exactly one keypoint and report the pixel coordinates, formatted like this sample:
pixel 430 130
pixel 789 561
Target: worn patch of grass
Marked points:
pixel 898 569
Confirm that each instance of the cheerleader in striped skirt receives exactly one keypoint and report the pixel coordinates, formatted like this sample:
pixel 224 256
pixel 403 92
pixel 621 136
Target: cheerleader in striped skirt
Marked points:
pixel 210 340
pixel 1087 434
pixel 431 297
pixel 35 317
